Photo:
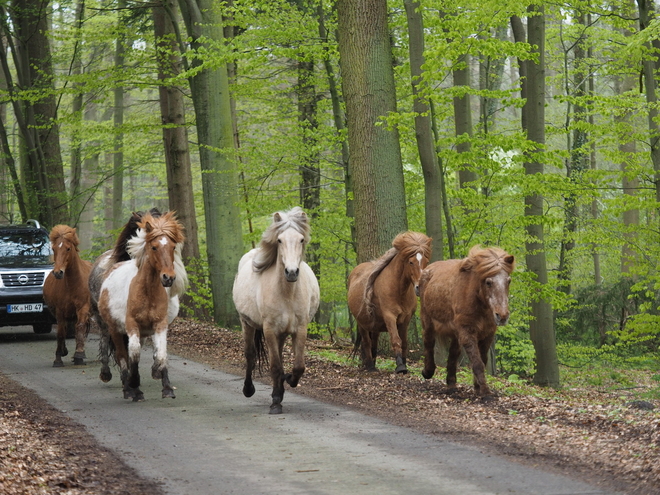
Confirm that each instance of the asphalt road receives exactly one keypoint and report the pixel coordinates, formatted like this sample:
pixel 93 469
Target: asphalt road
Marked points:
pixel 213 440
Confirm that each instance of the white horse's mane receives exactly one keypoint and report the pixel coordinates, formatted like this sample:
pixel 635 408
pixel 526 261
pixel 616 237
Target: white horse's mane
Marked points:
pixel 266 254
pixel 136 250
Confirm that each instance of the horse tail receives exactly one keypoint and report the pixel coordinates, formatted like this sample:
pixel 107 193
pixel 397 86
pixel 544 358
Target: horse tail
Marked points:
pixel 379 266
pixel 260 348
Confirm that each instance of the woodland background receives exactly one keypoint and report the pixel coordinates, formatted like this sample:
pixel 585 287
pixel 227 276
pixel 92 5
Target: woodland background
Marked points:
pixel 529 125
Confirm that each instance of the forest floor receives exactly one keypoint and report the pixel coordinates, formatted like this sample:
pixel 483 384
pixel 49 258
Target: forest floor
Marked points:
pixel 606 437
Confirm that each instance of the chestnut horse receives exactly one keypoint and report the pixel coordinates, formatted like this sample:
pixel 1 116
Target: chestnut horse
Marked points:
pixel 66 292
pixel 140 297
pixel 276 294
pixel 382 296
pixel 463 302
pixel 100 269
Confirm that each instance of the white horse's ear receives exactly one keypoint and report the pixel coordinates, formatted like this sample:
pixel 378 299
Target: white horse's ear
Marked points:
pixel 277 217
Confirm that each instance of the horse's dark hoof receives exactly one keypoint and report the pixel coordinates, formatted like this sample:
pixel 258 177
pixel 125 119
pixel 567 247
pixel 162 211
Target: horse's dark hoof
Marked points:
pixel 80 355
pixel 105 376
pixel 401 369
pixel 275 409
pixel 168 393
pixel 248 390
pixel 78 361
pixel 58 363
pixel 289 379
pixel 139 397
pixel 428 374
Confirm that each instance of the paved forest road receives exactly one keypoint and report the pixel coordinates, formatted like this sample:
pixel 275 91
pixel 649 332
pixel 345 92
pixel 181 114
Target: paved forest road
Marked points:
pixel 212 440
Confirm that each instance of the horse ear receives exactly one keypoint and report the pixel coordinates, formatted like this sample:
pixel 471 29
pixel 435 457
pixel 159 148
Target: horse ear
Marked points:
pixel 148 227
pixel 509 260
pixel 277 217
pixel 467 264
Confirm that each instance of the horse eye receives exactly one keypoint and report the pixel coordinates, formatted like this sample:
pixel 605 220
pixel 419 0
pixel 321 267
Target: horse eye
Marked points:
pixel 489 283
pixel 153 248
pixel 302 241
pixel 279 241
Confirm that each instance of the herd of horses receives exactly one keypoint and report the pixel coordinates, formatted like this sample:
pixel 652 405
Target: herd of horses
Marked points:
pixel 132 292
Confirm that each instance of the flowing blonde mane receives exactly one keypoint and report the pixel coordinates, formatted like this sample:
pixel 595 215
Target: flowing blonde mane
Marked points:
pixel 170 227
pixel 407 244
pixel 266 254
pixel 487 262
pixel 65 233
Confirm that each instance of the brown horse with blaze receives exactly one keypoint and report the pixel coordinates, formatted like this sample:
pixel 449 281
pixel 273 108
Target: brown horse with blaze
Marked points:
pixel 66 292
pixel 382 296
pixel 463 302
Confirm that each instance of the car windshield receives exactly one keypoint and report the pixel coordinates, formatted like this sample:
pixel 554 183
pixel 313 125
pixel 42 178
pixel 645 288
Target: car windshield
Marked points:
pixel 18 249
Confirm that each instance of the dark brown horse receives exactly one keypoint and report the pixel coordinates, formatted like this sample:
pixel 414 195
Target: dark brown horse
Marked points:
pixel 66 292
pixel 382 296
pixel 463 302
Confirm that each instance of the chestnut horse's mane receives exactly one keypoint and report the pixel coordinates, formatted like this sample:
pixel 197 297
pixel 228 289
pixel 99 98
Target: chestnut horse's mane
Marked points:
pixel 66 233
pixel 266 254
pixel 151 227
pixel 487 262
pixel 408 244
pixel 120 251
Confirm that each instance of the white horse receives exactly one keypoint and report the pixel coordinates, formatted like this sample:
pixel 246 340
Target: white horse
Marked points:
pixel 276 294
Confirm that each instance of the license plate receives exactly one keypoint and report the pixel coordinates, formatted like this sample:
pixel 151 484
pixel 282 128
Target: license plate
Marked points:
pixel 25 308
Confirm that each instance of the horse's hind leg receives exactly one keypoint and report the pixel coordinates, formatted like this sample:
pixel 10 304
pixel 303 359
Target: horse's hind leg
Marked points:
pixel 452 363
pixel 368 347
pixel 159 368
pixel 428 332
pixel 61 350
pixel 104 353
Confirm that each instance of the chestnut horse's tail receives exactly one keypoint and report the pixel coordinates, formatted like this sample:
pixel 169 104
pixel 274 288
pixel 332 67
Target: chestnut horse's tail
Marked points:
pixel 379 266
pixel 260 348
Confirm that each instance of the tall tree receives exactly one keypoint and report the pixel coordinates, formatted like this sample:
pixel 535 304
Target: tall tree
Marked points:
pixel 424 131
pixel 541 329
pixel 210 94
pixel 374 152
pixel 118 106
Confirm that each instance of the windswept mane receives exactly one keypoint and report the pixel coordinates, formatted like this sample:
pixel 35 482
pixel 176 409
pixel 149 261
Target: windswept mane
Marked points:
pixel 407 244
pixel 151 227
pixel 65 233
pixel 487 262
pixel 120 251
pixel 266 254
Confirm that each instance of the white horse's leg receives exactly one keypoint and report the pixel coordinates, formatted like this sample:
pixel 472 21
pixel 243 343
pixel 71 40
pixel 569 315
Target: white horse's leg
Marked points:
pixel 159 368
pixel 298 345
pixel 250 350
pixel 275 344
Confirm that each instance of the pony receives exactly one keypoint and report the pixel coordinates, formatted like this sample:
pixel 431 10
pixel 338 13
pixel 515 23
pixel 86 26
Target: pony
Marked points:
pixel 382 296
pixel 463 302
pixel 66 292
pixel 139 298
pixel 99 271
pixel 276 295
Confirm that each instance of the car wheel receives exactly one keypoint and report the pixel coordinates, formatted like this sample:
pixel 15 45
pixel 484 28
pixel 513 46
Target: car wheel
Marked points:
pixel 42 328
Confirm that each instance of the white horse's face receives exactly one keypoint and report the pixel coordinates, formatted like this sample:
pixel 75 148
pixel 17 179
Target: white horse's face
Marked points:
pixel 291 245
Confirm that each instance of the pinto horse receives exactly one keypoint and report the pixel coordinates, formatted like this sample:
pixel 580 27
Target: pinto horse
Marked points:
pixel 100 269
pixel 276 294
pixel 463 302
pixel 382 296
pixel 66 292
pixel 140 297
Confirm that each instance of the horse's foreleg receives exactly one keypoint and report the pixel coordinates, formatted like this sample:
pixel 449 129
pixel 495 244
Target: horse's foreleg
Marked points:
pixel 250 350
pixel 395 342
pixel 428 332
pixel 159 368
pixel 403 336
pixel 82 328
pixel 298 345
pixel 61 350
pixel 478 368
pixel 275 343
pixel 132 386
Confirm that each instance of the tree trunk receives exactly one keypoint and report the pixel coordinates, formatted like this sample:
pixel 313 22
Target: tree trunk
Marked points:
pixel 463 121
pixel 118 154
pixel 210 94
pixel 77 204
pixel 375 155
pixel 541 327
pixel 423 130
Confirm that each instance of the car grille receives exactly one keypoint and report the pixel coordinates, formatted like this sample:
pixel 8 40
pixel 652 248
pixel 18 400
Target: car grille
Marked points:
pixel 18 279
